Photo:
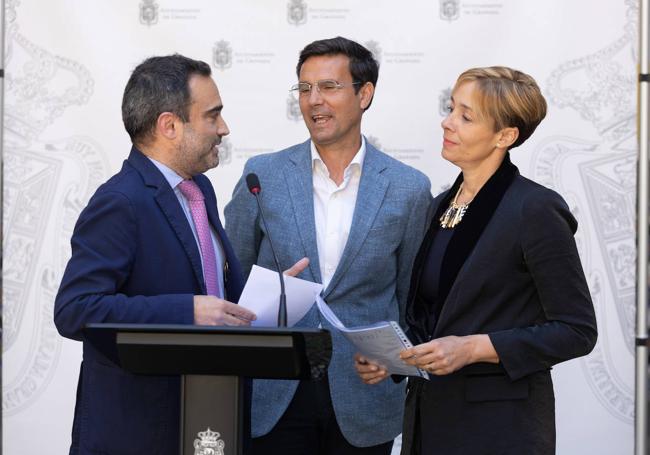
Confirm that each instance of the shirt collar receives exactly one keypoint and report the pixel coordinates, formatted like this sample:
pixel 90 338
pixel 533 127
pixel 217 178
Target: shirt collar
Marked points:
pixel 357 160
pixel 170 175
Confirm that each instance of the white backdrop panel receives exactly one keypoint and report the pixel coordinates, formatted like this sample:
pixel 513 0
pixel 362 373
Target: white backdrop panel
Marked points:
pixel 68 61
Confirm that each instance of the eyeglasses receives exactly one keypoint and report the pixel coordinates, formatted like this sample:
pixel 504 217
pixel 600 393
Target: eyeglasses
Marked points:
pixel 325 87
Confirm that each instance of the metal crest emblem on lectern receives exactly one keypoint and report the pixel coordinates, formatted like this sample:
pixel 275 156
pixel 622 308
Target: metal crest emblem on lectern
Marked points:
pixel 222 55
pixel 449 10
pixel 444 100
pixel 208 443
pixel 296 12
pixel 148 12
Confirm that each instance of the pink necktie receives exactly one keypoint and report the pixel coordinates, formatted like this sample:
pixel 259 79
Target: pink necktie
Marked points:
pixel 197 207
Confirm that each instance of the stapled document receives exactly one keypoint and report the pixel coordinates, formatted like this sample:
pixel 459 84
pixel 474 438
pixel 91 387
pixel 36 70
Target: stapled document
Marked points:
pixel 381 342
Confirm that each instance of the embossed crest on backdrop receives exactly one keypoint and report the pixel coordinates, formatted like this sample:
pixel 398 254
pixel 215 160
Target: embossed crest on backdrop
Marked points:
pixel 222 55
pixel 225 152
pixel 297 12
pixel 148 12
pixel 374 141
pixel 449 10
pixel 374 47
pixel 601 88
pixel 408 155
pixel 444 101
pixel 293 108
pixel 41 204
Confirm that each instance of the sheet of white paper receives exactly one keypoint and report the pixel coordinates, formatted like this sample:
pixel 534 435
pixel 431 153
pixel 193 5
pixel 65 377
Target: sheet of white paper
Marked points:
pixel 262 296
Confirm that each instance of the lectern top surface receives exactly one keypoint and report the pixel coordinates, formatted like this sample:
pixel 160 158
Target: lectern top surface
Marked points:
pixel 183 328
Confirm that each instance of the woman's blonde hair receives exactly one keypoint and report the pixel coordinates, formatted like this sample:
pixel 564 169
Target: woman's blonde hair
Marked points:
pixel 507 96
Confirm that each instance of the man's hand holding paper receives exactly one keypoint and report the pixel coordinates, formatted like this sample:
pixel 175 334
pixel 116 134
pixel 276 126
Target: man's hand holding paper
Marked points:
pixel 262 291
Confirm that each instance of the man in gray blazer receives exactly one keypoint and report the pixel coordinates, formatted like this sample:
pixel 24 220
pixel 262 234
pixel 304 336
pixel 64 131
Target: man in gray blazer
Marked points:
pixel 359 216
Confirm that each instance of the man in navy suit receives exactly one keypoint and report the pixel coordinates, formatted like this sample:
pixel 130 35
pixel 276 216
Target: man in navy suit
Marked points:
pixel 141 255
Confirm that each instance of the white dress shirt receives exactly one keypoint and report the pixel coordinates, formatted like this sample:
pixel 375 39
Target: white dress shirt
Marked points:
pixel 174 179
pixel 333 209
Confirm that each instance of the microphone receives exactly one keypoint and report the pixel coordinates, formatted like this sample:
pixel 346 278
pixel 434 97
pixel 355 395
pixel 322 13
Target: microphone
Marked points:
pixel 254 187
pixel 253 184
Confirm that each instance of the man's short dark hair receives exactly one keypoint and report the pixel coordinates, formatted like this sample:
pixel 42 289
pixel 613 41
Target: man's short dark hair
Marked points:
pixel 363 66
pixel 157 85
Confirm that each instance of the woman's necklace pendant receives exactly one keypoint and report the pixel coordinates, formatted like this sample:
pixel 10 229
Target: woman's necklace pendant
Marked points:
pixel 454 213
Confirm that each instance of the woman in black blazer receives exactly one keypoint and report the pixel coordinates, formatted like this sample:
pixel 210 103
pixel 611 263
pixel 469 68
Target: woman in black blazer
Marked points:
pixel 498 295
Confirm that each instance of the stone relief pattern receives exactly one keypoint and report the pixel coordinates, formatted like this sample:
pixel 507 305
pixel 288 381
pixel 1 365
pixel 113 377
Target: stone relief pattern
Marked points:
pixel 601 89
pixel 45 186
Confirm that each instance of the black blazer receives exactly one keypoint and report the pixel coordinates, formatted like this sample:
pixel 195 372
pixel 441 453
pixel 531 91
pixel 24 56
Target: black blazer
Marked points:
pixel 511 270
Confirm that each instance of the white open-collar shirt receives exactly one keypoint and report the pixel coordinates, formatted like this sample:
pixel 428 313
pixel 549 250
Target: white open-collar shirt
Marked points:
pixel 334 208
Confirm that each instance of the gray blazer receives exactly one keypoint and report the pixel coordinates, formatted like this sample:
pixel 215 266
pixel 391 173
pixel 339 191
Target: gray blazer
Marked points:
pixel 370 284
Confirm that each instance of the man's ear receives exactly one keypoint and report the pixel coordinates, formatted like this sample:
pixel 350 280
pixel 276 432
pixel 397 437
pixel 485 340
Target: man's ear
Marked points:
pixel 367 91
pixel 168 125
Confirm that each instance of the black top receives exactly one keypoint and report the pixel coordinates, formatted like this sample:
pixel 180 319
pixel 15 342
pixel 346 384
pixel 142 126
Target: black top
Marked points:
pixel 428 288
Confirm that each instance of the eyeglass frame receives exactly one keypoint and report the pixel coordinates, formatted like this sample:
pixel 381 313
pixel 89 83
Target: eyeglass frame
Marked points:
pixel 338 86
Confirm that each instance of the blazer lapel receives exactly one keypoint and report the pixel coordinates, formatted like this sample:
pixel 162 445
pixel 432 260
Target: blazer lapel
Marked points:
pixel 372 189
pixel 457 259
pixel 298 175
pixel 168 203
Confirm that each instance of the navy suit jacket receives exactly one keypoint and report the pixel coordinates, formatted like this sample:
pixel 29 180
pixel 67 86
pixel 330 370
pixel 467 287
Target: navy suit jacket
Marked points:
pixel 134 260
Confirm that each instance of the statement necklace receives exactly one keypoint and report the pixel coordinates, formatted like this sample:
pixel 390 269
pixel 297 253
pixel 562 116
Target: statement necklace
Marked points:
pixel 454 213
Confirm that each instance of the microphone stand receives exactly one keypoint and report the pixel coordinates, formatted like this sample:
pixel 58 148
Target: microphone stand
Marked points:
pixel 282 309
